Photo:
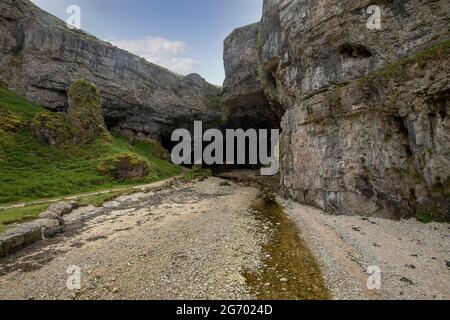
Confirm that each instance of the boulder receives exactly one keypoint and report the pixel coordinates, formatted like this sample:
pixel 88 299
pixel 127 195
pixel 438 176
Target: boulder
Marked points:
pixel 124 167
pixel 50 227
pixel 60 209
pixel 26 234
pixel 48 215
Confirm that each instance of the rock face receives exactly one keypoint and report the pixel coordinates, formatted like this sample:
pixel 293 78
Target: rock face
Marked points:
pixel 40 58
pixel 244 103
pixel 366 130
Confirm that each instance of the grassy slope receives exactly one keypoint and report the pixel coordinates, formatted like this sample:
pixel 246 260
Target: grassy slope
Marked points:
pixel 31 170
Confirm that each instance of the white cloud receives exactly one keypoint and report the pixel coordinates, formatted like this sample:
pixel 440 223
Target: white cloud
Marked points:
pixel 160 51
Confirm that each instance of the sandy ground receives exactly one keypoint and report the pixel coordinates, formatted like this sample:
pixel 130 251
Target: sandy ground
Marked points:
pixel 414 258
pixel 188 242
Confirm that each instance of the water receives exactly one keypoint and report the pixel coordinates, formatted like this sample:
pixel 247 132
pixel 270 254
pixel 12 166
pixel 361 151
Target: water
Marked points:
pixel 289 259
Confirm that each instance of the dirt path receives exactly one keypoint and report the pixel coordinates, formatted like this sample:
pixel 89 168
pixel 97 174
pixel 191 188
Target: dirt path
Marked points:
pixel 77 196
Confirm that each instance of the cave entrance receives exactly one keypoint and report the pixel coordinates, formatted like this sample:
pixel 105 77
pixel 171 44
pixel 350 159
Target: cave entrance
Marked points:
pixel 250 125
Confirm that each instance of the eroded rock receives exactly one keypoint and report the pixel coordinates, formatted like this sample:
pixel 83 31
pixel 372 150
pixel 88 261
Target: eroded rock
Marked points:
pixel 61 208
pixel 125 167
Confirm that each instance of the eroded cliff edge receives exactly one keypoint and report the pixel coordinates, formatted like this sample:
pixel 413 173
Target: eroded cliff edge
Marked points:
pixel 40 57
pixel 366 129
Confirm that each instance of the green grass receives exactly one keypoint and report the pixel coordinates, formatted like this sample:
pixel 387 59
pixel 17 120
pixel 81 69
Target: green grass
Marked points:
pixel 425 217
pixel 31 170
pixel 17 215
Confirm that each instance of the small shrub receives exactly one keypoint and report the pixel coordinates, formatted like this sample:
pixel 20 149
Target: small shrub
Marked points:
pixel 125 166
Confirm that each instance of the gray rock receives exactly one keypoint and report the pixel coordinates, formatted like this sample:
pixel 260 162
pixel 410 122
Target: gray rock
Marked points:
pixel 75 204
pixel 60 208
pixel 50 227
pixel 355 144
pixel 244 103
pixel 48 215
pixel 19 237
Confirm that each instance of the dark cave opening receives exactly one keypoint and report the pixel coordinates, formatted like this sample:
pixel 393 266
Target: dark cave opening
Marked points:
pixel 238 121
pixel 352 51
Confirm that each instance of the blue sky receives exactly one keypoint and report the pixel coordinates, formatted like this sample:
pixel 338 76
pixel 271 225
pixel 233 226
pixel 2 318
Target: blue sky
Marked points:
pixel 182 35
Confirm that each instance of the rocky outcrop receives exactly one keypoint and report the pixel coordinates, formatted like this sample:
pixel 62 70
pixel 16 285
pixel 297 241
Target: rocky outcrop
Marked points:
pixel 40 58
pixel 243 102
pixel 366 130
pixel 85 113
pixel 125 167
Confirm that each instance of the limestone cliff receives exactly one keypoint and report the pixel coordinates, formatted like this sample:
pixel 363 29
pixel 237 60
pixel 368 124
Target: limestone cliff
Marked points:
pixel 40 57
pixel 244 103
pixel 366 129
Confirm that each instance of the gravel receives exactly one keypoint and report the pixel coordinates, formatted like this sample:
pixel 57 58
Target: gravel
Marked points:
pixel 186 242
pixel 411 255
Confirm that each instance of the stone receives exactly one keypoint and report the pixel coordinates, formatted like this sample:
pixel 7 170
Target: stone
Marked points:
pixel 125 166
pixel 60 208
pixel 48 215
pixel 12 241
pixel 41 58
pixel 50 227
pixel 74 204
pixel 19 237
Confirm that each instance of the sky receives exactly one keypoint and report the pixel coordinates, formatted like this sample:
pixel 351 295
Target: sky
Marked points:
pixel 184 36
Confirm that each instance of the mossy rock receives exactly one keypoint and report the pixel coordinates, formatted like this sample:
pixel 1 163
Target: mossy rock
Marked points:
pixel 125 166
pixel 85 113
pixel 51 129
